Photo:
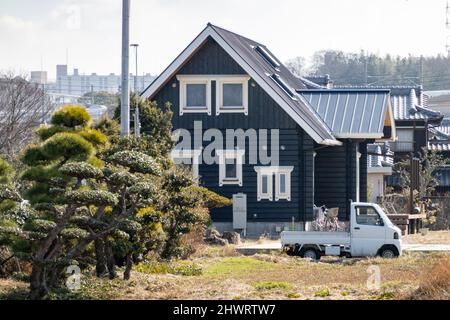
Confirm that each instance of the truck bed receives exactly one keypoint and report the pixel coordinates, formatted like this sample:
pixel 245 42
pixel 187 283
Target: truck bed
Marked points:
pixel 314 237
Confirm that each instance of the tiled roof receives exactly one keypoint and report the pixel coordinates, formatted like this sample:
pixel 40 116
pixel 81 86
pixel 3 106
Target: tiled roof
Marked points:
pixel 440 137
pixel 379 155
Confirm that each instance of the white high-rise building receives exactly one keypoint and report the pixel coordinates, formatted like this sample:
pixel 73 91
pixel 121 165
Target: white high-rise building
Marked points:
pixel 79 84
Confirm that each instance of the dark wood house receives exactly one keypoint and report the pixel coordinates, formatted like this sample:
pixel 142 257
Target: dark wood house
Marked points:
pixel 276 143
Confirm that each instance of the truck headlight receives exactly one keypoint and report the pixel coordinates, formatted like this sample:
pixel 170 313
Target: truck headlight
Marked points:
pixel 395 235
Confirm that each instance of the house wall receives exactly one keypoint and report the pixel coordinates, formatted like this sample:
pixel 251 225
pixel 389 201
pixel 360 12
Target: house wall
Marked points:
pixel 264 113
pixel 376 183
pixel 334 167
pixel 335 176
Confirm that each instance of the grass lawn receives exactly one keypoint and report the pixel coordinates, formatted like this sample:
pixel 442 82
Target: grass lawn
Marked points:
pixel 223 274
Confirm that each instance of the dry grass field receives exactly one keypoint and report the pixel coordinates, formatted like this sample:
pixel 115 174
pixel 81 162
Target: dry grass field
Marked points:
pixel 221 273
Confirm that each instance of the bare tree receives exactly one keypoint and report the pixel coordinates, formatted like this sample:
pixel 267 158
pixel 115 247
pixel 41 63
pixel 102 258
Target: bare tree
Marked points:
pixel 23 107
pixel 296 66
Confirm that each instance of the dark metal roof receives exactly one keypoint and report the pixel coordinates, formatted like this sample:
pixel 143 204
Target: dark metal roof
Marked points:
pixel 258 66
pixel 351 112
pixel 407 102
pixel 246 49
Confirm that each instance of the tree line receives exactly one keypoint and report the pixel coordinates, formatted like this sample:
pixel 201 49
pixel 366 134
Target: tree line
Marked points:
pixel 433 72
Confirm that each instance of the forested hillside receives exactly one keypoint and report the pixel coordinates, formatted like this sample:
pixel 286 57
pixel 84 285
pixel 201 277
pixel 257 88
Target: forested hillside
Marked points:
pixel 359 69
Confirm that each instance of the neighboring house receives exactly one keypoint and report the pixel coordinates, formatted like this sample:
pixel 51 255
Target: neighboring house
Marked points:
pixel 416 123
pixel 253 131
pixel 440 141
pixel 379 166
pixel 413 119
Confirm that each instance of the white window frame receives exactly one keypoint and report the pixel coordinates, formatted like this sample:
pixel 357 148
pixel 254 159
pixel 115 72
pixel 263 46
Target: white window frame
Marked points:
pixel 274 172
pixel 237 155
pixel 220 81
pixel 194 79
pixel 264 171
pixel 287 194
pixel 194 155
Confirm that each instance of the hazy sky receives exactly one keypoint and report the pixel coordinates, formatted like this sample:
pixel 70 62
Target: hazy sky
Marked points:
pixel 90 30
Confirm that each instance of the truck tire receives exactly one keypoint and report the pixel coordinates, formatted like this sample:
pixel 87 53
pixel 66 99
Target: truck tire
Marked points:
pixel 388 252
pixel 292 251
pixel 311 253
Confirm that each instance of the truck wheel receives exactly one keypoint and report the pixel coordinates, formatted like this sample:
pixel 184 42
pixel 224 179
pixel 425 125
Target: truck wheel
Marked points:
pixel 292 251
pixel 310 253
pixel 388 252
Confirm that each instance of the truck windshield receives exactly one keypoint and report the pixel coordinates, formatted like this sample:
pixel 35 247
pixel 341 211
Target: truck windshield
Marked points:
pixel 368 216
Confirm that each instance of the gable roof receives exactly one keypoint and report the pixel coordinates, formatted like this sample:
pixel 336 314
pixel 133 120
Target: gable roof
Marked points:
pixel 278 82
pixel 352 113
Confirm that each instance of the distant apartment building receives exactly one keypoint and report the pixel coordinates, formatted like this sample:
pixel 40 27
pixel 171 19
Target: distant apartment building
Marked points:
pixel 39 77
pixel 78 84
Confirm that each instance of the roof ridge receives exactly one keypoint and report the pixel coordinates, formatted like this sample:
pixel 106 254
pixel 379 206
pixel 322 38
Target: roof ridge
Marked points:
pixel 234 33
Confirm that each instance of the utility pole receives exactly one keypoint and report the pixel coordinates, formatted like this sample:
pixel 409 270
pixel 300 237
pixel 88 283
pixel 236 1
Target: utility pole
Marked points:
pixel 447 27
pixel 137 123
pixel 366 71
pixel 125 94
pixel 421 70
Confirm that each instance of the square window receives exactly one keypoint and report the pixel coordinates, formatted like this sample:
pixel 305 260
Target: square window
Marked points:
pixel 232 95
pixel 196 95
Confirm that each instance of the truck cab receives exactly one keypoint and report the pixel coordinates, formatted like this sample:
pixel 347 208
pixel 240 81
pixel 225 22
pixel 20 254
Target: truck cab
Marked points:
pixel 370 233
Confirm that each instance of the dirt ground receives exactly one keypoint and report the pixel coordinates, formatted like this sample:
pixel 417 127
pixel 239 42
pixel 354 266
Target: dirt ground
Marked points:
pixel 222 273
pixel 432 237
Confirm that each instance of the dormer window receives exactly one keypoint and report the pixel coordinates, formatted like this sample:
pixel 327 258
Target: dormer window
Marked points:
pixel 232 95
pixel 195 94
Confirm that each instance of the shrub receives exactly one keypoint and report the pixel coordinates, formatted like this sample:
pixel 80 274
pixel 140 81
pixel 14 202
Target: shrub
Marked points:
pixel 81 170
pixel 322 293
pixel 5 171
pixel 136 161
pixel 46 132
pixel 33 156
pixel 71 116
pixel 185 268
pixel 211 199
pixel 270 285
pixel 108 126
pixel 67 145
pixel 94 136
pixel 92 197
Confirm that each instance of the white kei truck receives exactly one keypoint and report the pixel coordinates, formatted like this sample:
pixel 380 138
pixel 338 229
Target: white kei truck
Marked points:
pixel 371 233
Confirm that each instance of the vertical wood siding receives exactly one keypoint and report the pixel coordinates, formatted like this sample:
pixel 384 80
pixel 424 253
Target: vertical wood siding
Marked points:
pixel 334 165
